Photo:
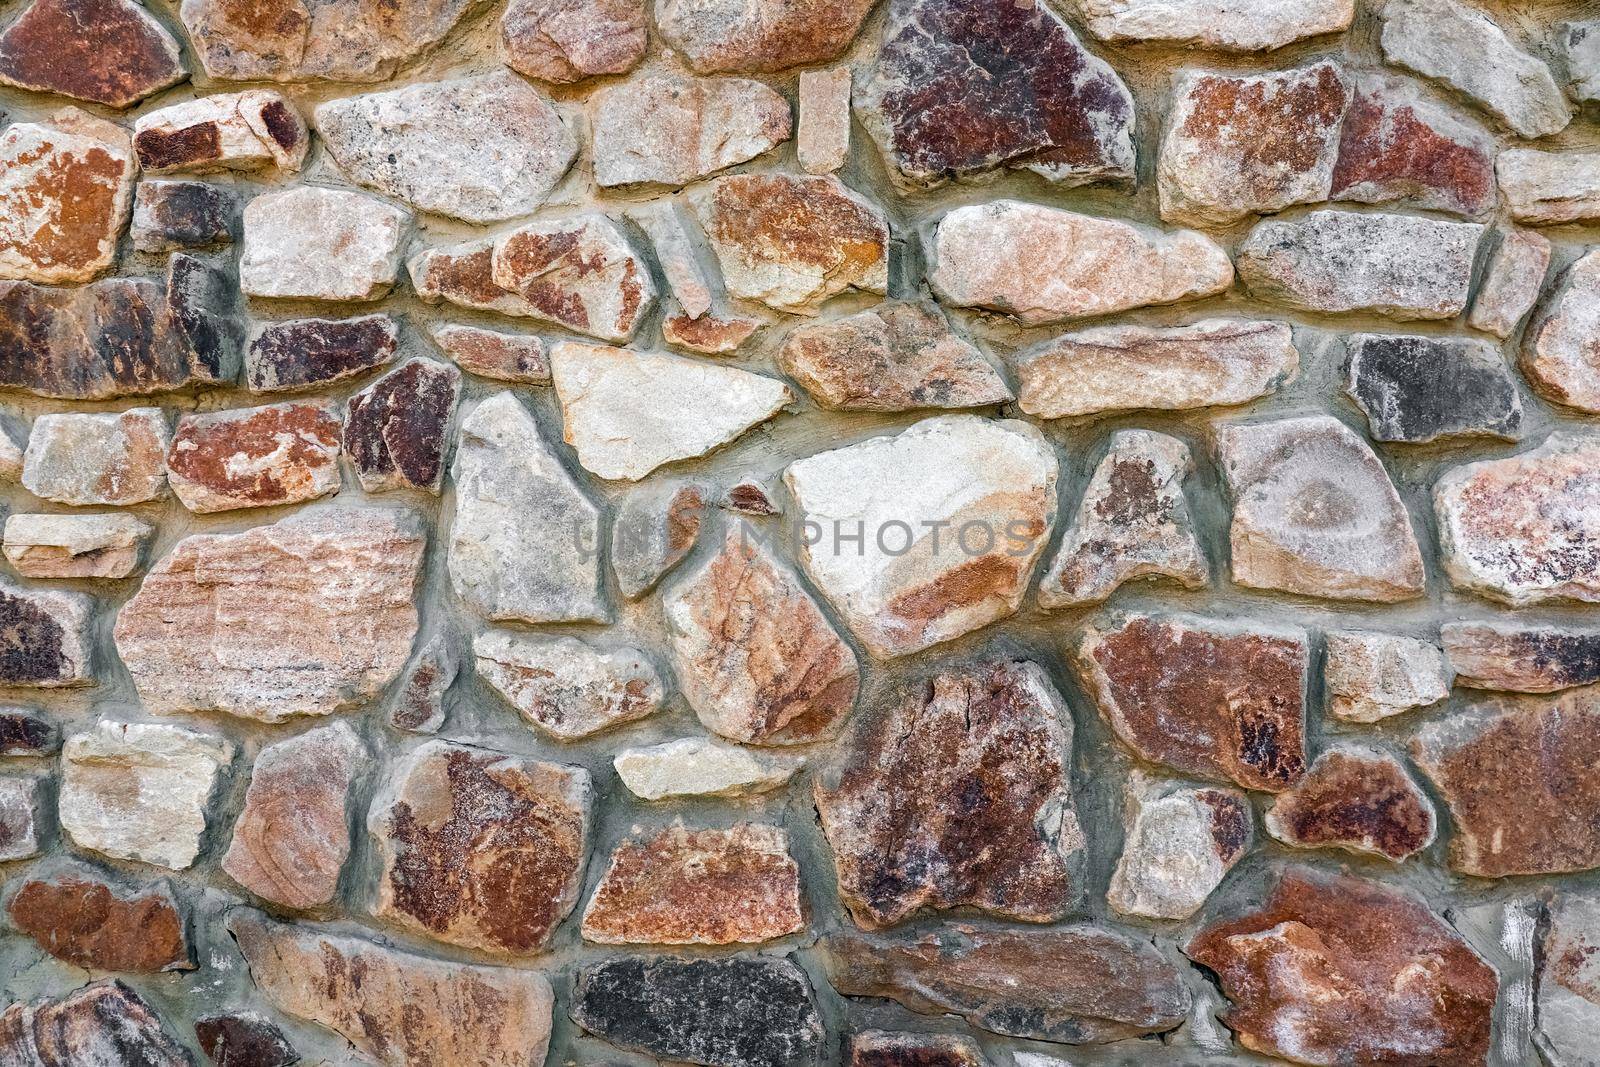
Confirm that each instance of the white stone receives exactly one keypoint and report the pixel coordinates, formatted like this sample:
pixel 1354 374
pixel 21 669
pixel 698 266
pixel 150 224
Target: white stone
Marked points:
pixel 1372 676
pixel 1227 25
pixel 75 546
pixel 1545 188
pixel 98 457
pixel 700 767
pixel 565 687
pixel 242 125
pixel 1180 842
pixel 669 129
pixel 321 244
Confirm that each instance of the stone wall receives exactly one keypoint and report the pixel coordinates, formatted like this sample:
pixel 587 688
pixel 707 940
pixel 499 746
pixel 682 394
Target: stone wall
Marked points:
pixel 783 532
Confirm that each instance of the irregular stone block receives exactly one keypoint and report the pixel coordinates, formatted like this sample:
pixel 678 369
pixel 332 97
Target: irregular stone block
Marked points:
pixel 110 52
pixel 78 916
pixel 1358 799
pixel 321 244
pixel 83 458
pixel 823 140
pixel 570 40
pixel 173 215
pixel 1544 188
pixel 255 457
pixel 21 827
pixel 244 1039
pixel 1230 26
pixel 464 275
pixel 1568 990
pixel 65 188
pixel 709 334
pixel 395 429
pixel 700 767
pixel 1559 355
pixel 1370 677
pixel 751 496
pixel 75 546
pixel 1511 283
pixel 13 443
pixel 677 257
pixel 1421 389
pixel 578 272
pixel 299 354
pixel 1521 659
pixel 759 36
pixel 879 1048
pixel 1179 843
pixel 565 687
pixel 418 702
pixel 44 638
pixel 24 732
pixel 104 1023
pixel 1577 45
pixel 671 130
pixel 653 529
pixel 503 357
pixel 1043 265
pixel 240 131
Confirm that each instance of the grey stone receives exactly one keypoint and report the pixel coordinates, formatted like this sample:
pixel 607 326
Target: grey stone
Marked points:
pixel 569 688
pixel 1373 676
pixel 1179 843
pixel 654 528
pixel 1420 389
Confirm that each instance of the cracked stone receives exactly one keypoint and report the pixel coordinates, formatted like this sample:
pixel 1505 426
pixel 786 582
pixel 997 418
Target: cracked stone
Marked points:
pixel 244 1039
pixel 110 52
pixel 823 139
pixel 700 767
pixel 255 457
pixel 502 357
pixel 314 243
pixel 44 638
pixel 759 36
pixel 880 1048
pixel 396 429
pixel 1567 983
pixel 81 918
pixel 1358 799
pixel 173 215
pixel 245 131
pixel 83 458
pixel 567 688
pixel 653 529
pixel 1373 676
pixel 1226 25
pixel 1179 843
pixel 578 272
pixel 1421 389
pixel 101 1024
pixel 1511 283
pixel 1561 348
pixel 570 40
pixel 1521 659
pixel 21 826
pixel 417 705
pixel 1546 188
pixel 672 130
pixel 66 186
pixel 75 546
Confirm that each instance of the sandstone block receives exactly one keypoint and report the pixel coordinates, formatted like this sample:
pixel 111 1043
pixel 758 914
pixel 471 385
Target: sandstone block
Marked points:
pixel 45 641
pixel 1560 353
pixel 759 36
pixel 570 40
pixel 700 767
pixel 251 130
pixel 823 140
pixel 173 215
pixel 255 457
pixel 1545 188
pixel 313 243
pixel 1179 843
pixel 1373 676
pixel 83 458
pixel 1421 389
pixel 110 52
pixel 1511 283
pixel 671 130
pixel 75 546
pixel 396 429
pixel 503 357
pixel 65 189
pixel 1358 799
pixel 577 272
pixel 1231 26
pixel 568 688
pixel 1521 659
pixel 78 916
pixel 653 529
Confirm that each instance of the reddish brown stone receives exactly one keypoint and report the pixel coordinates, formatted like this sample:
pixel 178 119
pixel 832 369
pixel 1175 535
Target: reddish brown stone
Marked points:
pixel 101 1025
pixel 750 497
pixel 394 430
pixel 244 1039
pixel 80 918
pixel 708 335
pixel 1521 659
pixel 569 40
pixel 1357 799
pixel 27 733
pixel 110 52
pixel 502 356
pixel 759 36
pixel 1333 969
pixel 879 1048
pixel 579 272
pixel 255 457
pixel 65 187
pixel 310 353
pixel 464 275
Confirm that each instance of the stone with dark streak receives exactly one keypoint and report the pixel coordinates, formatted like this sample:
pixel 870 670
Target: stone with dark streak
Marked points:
pixel 110 52
pixel 1358 799
pixel 881 1048
pixel 1518 658
pixel 80 917
pixel 255 457
pixel 654 527
pixel 101 1025
pixel 237 131
pixel 759 36
pixel 504 357
pixel 417 704
pixel 173 215
pixel 310 353
pixel 244 1039
pixel 396 429
pixel 44 638
pixel 25 732
pixel 1421 389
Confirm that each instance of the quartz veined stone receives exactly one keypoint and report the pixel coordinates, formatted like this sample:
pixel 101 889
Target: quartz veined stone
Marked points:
pixel 567 688
pixel 45 640
pixel 1179 843
pixel 1372 676
pixel 1561 347
pixel 570 40
pixel 110 52
pixel 321 244
pixel 237 131
pixel 1226 25
pixel 1521 658
pixel 1511 283
pixel 671 130
pixel 1420 389
pixel 1355 798
pixel 82 457
pixel 759 36
pixel 255 457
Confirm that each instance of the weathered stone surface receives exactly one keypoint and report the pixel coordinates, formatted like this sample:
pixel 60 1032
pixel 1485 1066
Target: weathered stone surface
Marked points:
pixel 653 529
pixel 24 732
pixel 962 86
pixel 244 1039
pixel 464 275
pixel 1179 843
pixel 739 1011
pixel 700 767
pixel 671 130
pixel 13 444
pixel 677 256
pixel 1080 984
pixel 1577 45
pixel 1238 145
pixel 255 457
pixel 822 143
pixel 1000 736
pixel 1398 144
pixel 1314 512
pixel 239 131
pixel 1373 676
pixel 1402 266
pixel 1223 701
pixel 1561 348
pixel 511 492
pixel 1462 48
pixel 481 849
pixel 579 272
pixel 755 657
pixel 299 354
pixel 75 546
pixel 1132 523
pixel 44 638
pixel 567 688
pixel 293 835
pixel 894 357
pixel 737 886
pixel 992 486
pixel 1227 25
pixel 1568 986
pixel 110 52
pixel 102 1025
pixel 759 36
pixel 21 828
pixel 1355 798
pixel 1420 389
pixel 65 189
pixel 751 496
pixel 709 335
pixel 1544 188
pixel 569 40
pixel 880 1048
pixel 78 916
pixel 1214 362
pixel 395 429
pixel 1521 659
pixel 140 791
pixel 483 149
pixel 1511 283
pixel 1334 969
pixel 1526 528
pixel 503 357
pixel 98 458
pixel 418 705
pixel 172 215
pixel 305 616
pixel 1045 265
pixel 321 244
pixel 396 1008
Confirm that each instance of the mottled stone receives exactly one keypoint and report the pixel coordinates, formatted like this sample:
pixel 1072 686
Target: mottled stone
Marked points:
pixel 700 767
pixel 567 688
pixel 1179 843
pixel 1567 982
pixel 1358 799
pixel 997 735
pixel 1045 265
pixel 22 830
pixel 480 849
pixel 512 491
pixel 822 142
pixel 880 1048
pixel 24 732
pixel 464 275
pixel 1511 283
pixel 255 457
pixel 1521 659
pixel 101 1025
pixel 315 243
pixel 1402 266
pixel 1372 676
pixel 44 638
pixel 110 52
pixel 964 86
pixel 1545 188
pixel 710 335
pixel 1226 25
pixel 1526 528
pixel 1561 348
pixel 66 185
pixel 1132 523
pixel 1577 45
pixel 13 444
pixel 1421 389
pixel 759 36
pixel 653 529
pixel 87 458
pixel 679 259
pixel 1238 145
pixel 483 149
pixel 1314 512
pixel 293 835
pixel 244 1039
pixel 173 215
pixel 751 496
pixel 417 704
pixel 503 357
pixel 988 487
pixel 395 429
pixel 1079 984
pixel 81 918
pixel 298 354
pixel 671 130
pixel 306 616
pixel 397 1009
pixel 247 131
pixel 579 272
pixel 140 791
pixel 1335 969
pixel 75 546
pixel 1222 701
pixel 570 40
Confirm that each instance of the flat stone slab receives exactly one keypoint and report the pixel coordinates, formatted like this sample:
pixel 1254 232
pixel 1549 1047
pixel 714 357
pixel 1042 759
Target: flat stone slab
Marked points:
pixel 1519 658
pixel 110 52
pixel 313 243
pixel 1421 389
pixel 700 767
pixel 1372 676
pixel 671 130
pixel 85 458
pixel 1228 25
pixel 75 546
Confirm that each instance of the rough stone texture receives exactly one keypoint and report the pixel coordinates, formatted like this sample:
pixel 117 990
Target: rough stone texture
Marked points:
pixel 570 40
pixel 110 52
pixel 1314 512
pixel 45 640
pixel 903 590
pixel 418 702
pixel 709 335
pixel 464 275
pixel 1217 700
pixel 81 918
pixel 255 457
pixel 140 791
pixel 879 1048
pixel 699 767
pixel 293 835
pixel 1521 659
pixel 1179 843
pixel 680 262
pixel 671 130
pixel 240 131
pixel 999 734
pixel 112 458
pixel 321 244
pixel 101 1025
pixel 1420 389
pixel 482 149
pixel 652 530
pixel 751 36
pixel 823 139
pixel 567 688
pixel 22 830
pixel 1079 984
pixel 1578 47
pixel 1568 986
pixel 1355 798
pixel 1373 676
pixel 578 272
pixel 172 215
pixel 299 354
pixel 24 732
pixel 75 546
pixel 1229 25
pixel 305 616
pixel 396 429
pixel 244 1039
pixel 1561 348
pixel 502 357
pixel 1044 265
pixel 1511 283
pixel 1544 188
pixel 1335 969
pixel 66 185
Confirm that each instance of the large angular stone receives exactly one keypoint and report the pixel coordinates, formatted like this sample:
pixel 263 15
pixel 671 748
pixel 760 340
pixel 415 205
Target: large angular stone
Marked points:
pixel 578 272
pixel 822 142
pixel 1521 659
pixel 964 86
pixel 110 52
pixel 102 1025
pixel 1511 283
pixel 397 1009
pixel 395 430
pixel 999 735
pixel 75 546
pixel 627 412
pixel 293 835
pixel 22 824
pixel 503 357
pixel 1179 843
pixel 1228 25
pixel 78 916
pixel 1222 701
pixel 671 130
pixel 314 243
pixel 239 131
pixel 86 458
pixel 570 40
pixel 880 1048
pixel 244 1039
pixel 567 688
pixel 1420 389
pixel 1132 523
pixel 988 487
pixel 1525 529
pixel 1045 265
pixel 173 215
pixel 483 149
pixel 512 491
pixel 1314 512
pixel 140 791
pixel 1561 348
pixel 1213 362
pixel 298 354
pixel 1545 188
pixel 1370 677
pixel 1567 983
pixel 653 529
pixel 700 767
pixel 1402 266
pixel 44 638
pixel 66 185
pixel 1355 798
pixel 1080 984
pixel 1335 969
pixel 305 616
pixel 755 657
pixel 759 36
pixel 255 457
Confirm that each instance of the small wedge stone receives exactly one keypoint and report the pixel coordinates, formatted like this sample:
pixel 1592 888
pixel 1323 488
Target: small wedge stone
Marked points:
pixel 1372 676
pixel 1511 284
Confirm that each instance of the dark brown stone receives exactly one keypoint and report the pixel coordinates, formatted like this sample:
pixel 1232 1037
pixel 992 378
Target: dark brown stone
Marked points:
pixel 879 1048
pixel 244 1039
pixel 394 430
pixel 418 702
pixel 170 215
pixel 750 497
pixel 101 1025
pixel 307 353
pixel 1521 659
pixel 44 637
pixel 110 52
pixel 1333 969
pixel 80 918
pixel 27 733
pixel 1356 799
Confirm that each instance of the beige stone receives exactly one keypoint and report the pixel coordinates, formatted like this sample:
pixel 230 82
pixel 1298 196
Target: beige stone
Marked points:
pixel 676 254
pixel 578 272
pixel 504 357
pixel 824 138
pixel 568 688
pixel 700 767
pixel 1546 188
pixel 1561 347
pixel 670 130
pixel 98 458
pixel 315 243
pixel 569 40
pixel 1511 283
pixel 1226 25
pixel 66 190
pixel 1371 676
pixel 75 546
pixel 1179 843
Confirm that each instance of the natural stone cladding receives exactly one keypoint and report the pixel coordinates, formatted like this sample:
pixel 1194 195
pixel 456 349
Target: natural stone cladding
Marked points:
pixel 799 533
